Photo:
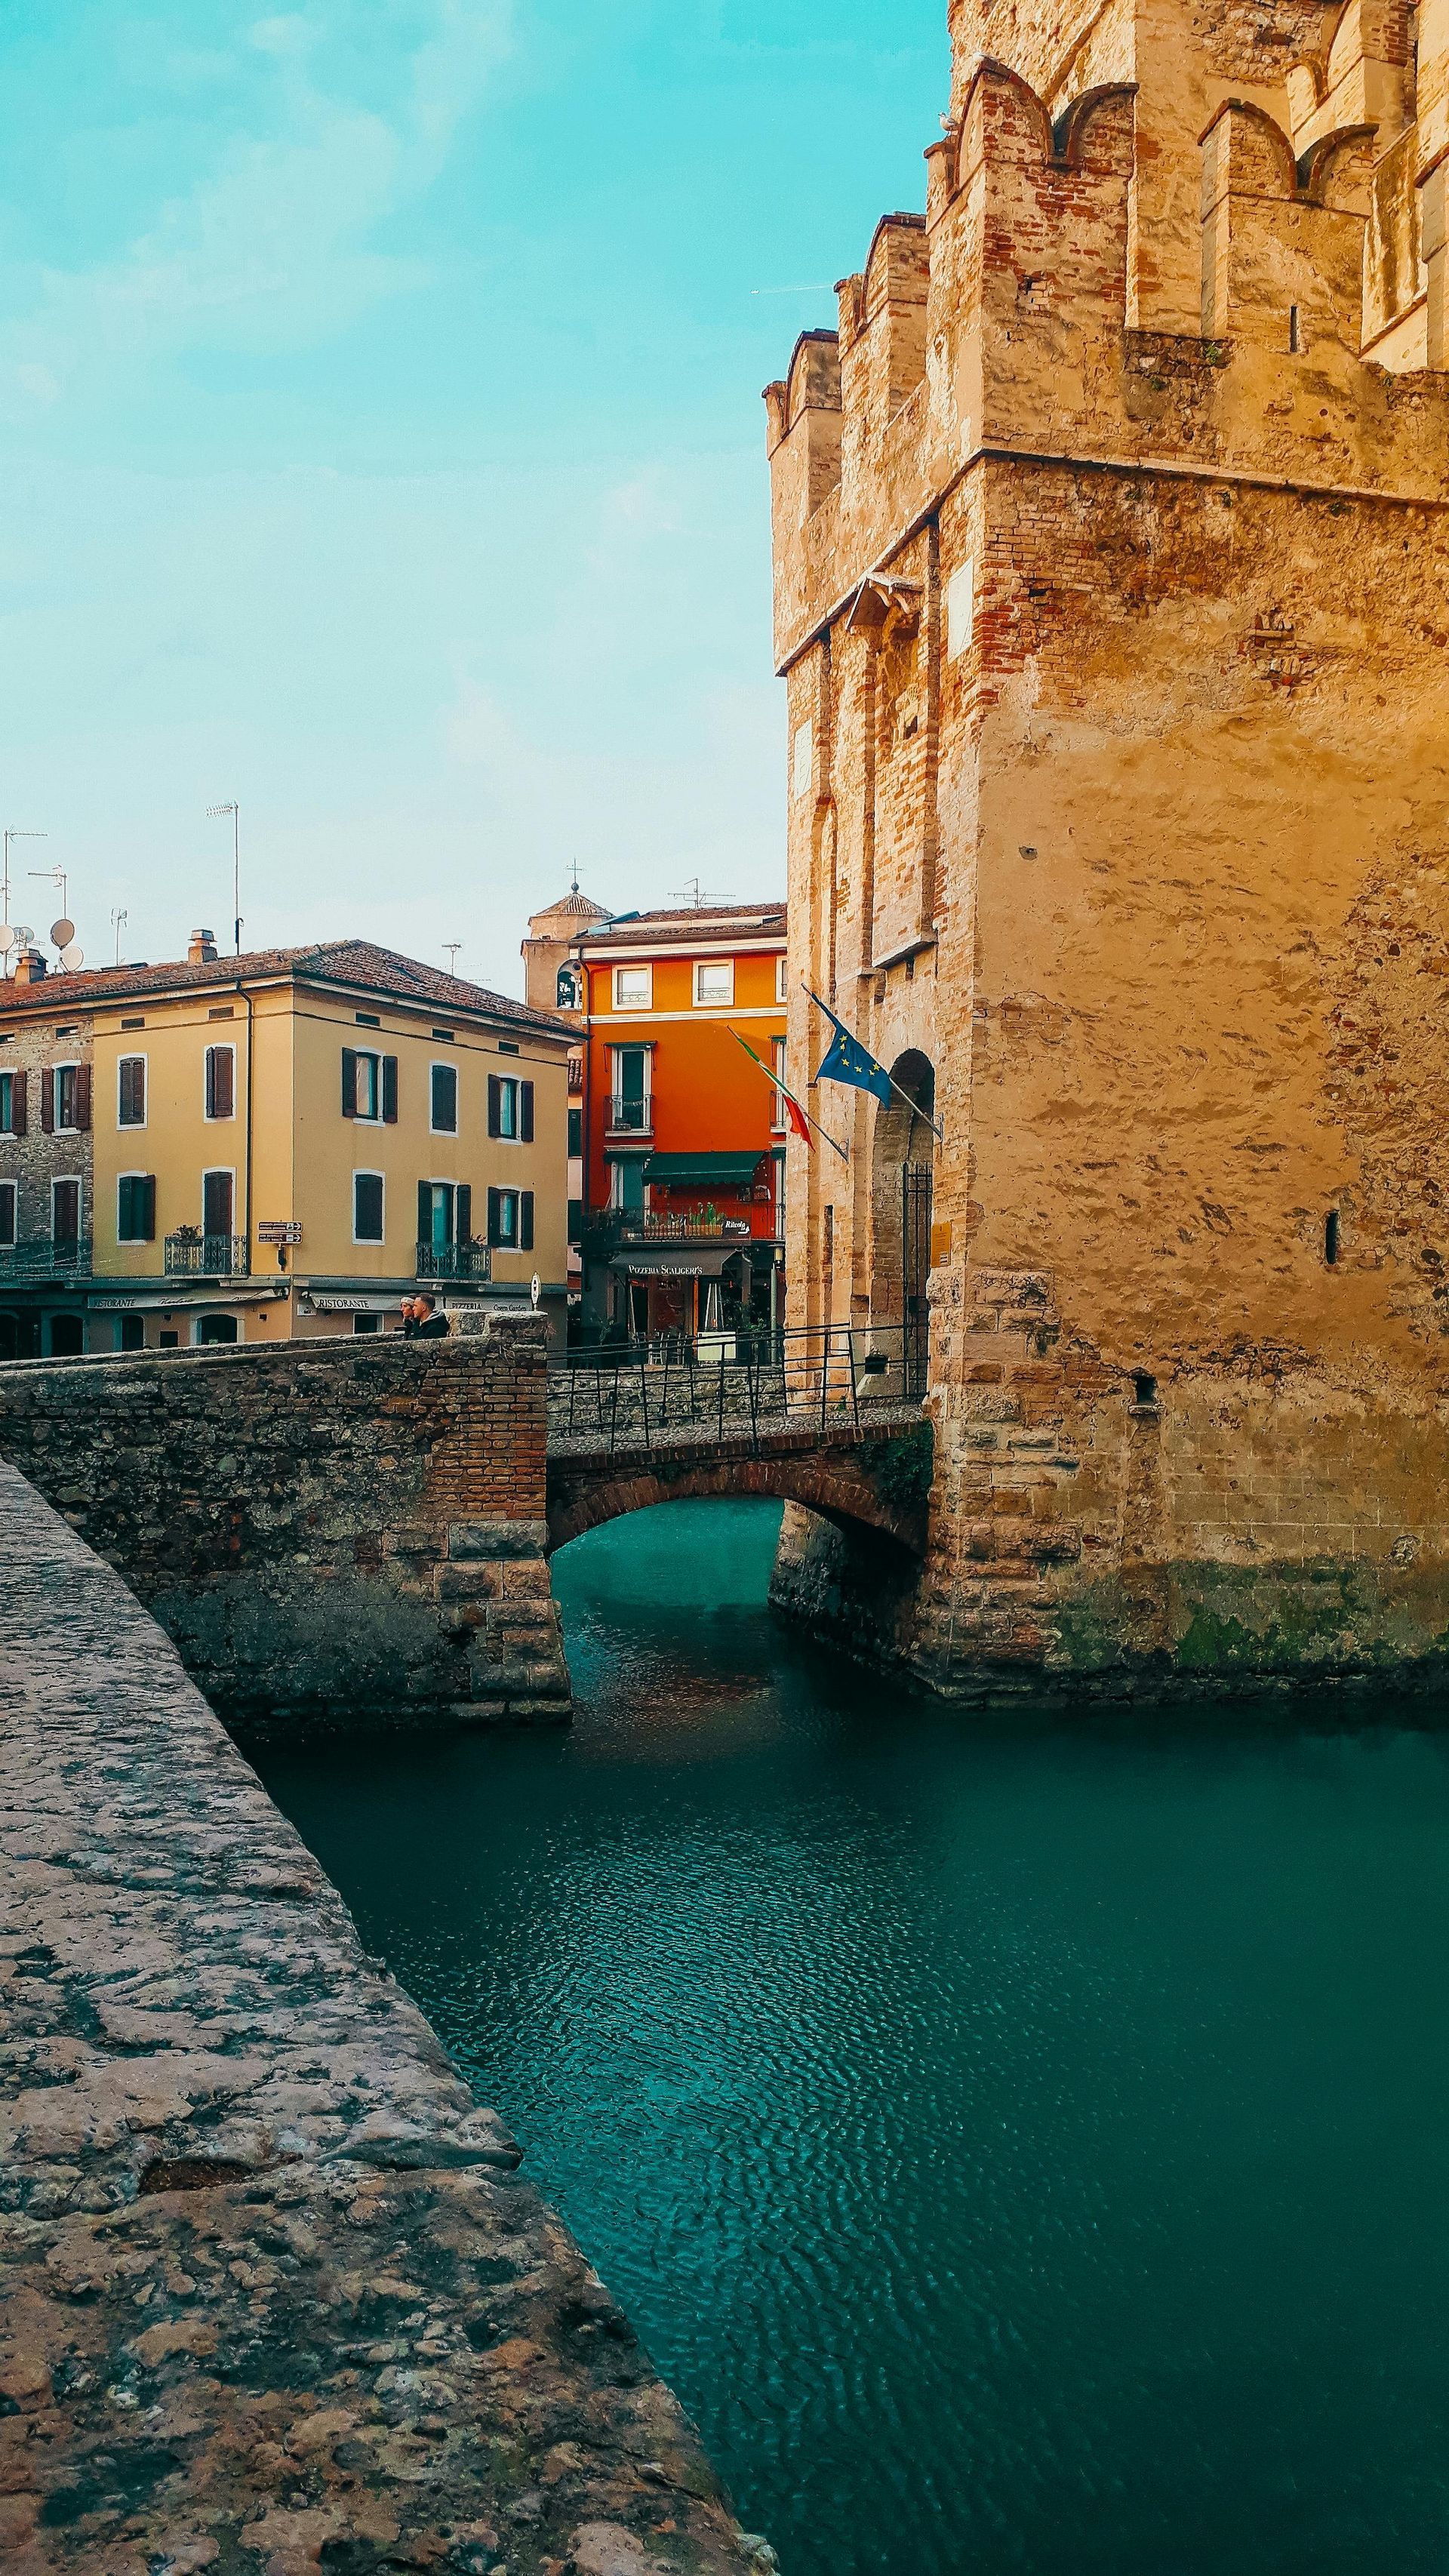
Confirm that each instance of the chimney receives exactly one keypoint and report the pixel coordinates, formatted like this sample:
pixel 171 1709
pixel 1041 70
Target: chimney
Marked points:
pixel 202 951
pixel 29 966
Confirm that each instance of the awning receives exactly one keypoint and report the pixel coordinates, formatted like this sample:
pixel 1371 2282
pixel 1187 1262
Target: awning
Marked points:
pixel 711 1171
pixel 677 1260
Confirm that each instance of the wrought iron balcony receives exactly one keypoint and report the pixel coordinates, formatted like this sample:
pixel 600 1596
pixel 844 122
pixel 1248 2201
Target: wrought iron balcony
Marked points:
pixel 207 1256
pixel 651 1225
pixel 630 1117
pixel 68 1259
pixel 454 1261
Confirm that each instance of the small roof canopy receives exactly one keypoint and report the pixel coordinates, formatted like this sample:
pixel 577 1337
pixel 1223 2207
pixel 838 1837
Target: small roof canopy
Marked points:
pixel 716 1171
pixel 677 1260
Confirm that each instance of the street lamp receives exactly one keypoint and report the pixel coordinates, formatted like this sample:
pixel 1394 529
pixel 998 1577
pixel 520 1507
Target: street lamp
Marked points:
pixel 234 810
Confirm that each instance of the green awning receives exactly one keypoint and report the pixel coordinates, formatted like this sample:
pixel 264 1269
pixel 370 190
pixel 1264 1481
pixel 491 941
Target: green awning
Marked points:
pixel 708 1171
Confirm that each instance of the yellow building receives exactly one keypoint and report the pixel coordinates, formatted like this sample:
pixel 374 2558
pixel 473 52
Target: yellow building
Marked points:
pixel 290 1142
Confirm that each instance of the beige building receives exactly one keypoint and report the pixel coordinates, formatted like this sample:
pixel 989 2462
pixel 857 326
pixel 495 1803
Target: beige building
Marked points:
pixel 1112 556
pixel 286 1143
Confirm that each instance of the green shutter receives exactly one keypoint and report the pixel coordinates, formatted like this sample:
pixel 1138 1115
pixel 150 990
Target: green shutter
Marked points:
pixel 525 1220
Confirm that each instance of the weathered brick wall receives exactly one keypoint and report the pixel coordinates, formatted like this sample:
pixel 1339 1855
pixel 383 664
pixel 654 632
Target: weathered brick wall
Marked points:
pixel 328 1531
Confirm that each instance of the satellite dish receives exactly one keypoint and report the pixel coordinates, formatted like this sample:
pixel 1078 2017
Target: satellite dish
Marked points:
pixel 62 932
pixel 23 934
pixel 8 939
pixel 71 956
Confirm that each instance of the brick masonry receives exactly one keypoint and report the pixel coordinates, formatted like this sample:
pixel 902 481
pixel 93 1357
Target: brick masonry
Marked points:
pixel 273 2294
pixel 329 1532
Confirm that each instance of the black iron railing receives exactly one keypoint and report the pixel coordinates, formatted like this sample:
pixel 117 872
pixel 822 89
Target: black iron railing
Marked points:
pixel 47 1259
pixel 207 1256
pixel 740 1380
pixel 454 1261
pixel 630 1117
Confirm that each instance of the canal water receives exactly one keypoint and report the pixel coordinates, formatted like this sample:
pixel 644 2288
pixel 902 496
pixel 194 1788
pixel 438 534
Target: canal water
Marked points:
pixel 1022 2144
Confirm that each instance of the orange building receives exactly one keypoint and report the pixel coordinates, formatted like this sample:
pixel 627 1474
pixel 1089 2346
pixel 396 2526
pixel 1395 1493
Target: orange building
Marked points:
pixel 677 1143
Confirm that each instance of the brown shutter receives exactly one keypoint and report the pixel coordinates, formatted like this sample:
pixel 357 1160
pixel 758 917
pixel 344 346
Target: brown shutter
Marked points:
pixel 525 1220
pixel 82 1097
pixel 220 1082
pixel 47 1098
pixel 465 1212
pixel 389 1090
pixel 495 1106
pixel 148 1208
pixel 18 1099
pixel 525 1122
pixel 349 1082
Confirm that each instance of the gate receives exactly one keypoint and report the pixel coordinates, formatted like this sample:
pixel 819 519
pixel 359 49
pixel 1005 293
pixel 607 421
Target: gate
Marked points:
pixel 916 1186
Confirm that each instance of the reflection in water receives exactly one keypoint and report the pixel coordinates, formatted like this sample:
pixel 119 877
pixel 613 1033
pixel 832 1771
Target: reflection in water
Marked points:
pixel 1021 2146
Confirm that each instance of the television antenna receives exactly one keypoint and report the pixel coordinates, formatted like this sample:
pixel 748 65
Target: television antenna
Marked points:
pixel 11 939
pixel 118 920
pixel 62 931
pixel 451 948
pixel 234 810
pixel 694 893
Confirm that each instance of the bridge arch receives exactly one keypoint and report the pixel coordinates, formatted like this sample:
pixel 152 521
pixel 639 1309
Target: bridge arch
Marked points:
pixel 835 1485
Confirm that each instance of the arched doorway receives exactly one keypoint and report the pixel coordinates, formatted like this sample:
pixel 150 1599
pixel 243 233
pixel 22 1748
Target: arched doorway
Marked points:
pixel 902 1191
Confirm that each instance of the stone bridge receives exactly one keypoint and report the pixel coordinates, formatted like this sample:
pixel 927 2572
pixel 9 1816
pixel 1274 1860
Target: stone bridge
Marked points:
pixel 338 1531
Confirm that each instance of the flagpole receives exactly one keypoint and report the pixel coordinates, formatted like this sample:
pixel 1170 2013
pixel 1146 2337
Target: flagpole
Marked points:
pixel 913 1105
pixel 773 1079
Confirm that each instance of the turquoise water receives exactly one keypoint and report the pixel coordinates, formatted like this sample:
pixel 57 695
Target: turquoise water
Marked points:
pixel 1021 2144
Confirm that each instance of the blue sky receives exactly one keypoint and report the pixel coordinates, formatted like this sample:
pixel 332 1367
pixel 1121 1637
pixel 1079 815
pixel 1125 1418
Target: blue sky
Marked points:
pixel 382 443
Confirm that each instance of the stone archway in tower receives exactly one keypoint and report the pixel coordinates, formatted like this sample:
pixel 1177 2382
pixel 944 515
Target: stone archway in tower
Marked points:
pixel 903 1162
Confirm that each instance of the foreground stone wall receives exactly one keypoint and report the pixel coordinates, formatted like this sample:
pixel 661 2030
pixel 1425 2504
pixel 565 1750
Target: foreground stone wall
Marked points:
pixel 328 1531
pixel 273 2296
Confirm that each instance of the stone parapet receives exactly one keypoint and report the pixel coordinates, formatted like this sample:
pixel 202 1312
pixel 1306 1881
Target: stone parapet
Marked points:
pixel 273 2295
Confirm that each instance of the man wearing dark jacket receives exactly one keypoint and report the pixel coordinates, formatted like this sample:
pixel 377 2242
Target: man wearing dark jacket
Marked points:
pixel 421 1323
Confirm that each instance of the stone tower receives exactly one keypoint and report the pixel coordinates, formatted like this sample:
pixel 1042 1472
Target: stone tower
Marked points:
pixel 545 952
pixel 1112 599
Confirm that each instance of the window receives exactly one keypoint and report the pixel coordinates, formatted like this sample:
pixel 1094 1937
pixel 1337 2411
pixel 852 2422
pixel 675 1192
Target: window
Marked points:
pixel 133 1024
pixel 576 1131
pixel 576 1220
pixel 369 1086
pixel 136 1207
pixel 445 1216
pixel 65 1212
pixel 131 1333
pixel 1331 1238
pixel 633 988
pixel 223 1011
pixel 367 1323
pixel 448 1036
pixel 629 1111
pixel 13 1089
pixel 777 1118
pixel 216 1328
pixel 8 1196
pixel 367 1019
pixel 510 1220
pixel 367 1224
pixel 714 980
pixel 510 1108
pixel 782 992
pixel 221 1082
pixel 626 1186
pixel 218 1196
pixel 65 1099
pixel 445 1099
pixel 507 1046
pixel 167 1341
pixel 131 1091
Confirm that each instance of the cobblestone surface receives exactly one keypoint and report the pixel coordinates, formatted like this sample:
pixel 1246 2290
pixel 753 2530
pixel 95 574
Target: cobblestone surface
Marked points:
pixel 272 2294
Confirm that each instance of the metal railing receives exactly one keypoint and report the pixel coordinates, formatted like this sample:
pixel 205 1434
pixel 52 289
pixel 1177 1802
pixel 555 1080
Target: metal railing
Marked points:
pixel 47 1259
pixel 740 1380
pixel 207 1256
pixel 656 1225
pixel 630 1117
pixel 454 1261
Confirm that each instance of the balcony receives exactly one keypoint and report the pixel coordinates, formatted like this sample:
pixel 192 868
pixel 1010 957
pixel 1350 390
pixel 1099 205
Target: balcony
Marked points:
pixel 649 1225
pixel 69 1259
pixel 454 1261
pixel 630 1117
pixel 207 1256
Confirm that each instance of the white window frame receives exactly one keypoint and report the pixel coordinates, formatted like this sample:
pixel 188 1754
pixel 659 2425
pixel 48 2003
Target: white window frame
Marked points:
pixel 782 990
pixel 133 1126
pixel 9 1070
pixel 779 1124
pixel 714 966
pixel 372 1056
pixel 620 1003
pixel 14 1189
pixel 129 1176
pixel 59 1181
pixel 70 1065
pixel 215 1046
pixel 210 1173
pixel 619 1165
pixel 371 1241
pixel 508 1190
pixel 444 1064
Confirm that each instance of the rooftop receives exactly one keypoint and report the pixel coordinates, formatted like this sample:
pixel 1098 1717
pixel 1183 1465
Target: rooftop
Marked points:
pixel 356 963
pixel 685 925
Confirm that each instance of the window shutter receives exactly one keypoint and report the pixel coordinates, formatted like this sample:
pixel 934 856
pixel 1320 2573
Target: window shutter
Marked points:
pixel 425 1212
pixel 495 1230
pixel 349 1082
pixel 47 1098
pixel 220 1087
pixel 147 1226
pixel 465 1212
pixel 389 1090
pixel 525 1220
pixel 82 1097
pixel 495 1109
pixel 525 1101
pixel 18 1119
pixel 7 1212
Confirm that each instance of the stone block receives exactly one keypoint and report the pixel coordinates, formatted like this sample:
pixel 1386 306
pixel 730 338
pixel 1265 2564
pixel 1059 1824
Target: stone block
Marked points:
pixel 475 1539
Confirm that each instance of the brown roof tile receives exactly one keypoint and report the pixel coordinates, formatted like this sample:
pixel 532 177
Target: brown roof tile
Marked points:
pixel 356 963
pixel 683 926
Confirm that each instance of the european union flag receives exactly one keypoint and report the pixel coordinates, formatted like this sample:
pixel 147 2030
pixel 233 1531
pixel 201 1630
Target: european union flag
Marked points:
pixel 847 1060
